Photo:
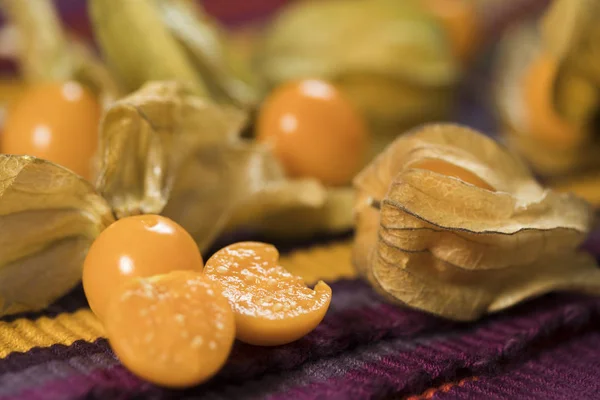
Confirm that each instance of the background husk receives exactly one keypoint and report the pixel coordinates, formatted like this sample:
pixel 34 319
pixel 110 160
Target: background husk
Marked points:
pixel 569 33
pixel 436 243
pixel 169 40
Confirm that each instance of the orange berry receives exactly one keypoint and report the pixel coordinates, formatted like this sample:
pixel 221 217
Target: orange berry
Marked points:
pixel 174 330
pixel 314 131
pixel 271 306
pixel 57 122
pixel 449 169
pixel 139 246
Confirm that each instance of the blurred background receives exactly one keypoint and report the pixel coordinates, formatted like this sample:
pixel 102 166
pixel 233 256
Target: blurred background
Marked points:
pixel 245 19
pixel 403 63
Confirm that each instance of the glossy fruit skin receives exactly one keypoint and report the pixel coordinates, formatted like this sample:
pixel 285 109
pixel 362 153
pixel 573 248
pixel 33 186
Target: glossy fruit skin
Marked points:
pixel 138 246
pixel 57 122
pixel 314 131
pixel 271 306
pixel 174 330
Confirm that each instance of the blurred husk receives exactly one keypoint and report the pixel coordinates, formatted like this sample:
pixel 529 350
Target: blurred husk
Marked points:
pixel 556 129
pixel 170 40
pixel 391 58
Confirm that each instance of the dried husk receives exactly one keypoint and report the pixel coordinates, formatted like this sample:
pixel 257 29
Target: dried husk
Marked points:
pixel 570 30
pixel 439 244
pixel 47 54
pixel 390 57
pixel 167 40
pixel 147 137
pixel 333 216
pixel 569 33
pixel 208 49
pixel 49 218
pixel 164 149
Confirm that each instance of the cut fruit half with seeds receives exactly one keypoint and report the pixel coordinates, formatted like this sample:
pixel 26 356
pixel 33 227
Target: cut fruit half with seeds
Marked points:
pixel 174 330
pixel 271 306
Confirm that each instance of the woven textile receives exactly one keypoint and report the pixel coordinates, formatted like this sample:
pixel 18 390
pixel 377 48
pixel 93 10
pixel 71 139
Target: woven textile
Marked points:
pixel 548 348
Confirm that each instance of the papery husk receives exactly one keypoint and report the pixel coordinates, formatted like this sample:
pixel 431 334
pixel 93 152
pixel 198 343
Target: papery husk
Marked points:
pixel 167 40
pixel 571 32
pixel 49 218
pixel 147 137
pixel 390 57
pixel 333 216
pixel 47 54
pixel 436 243
pixel 165 150
pixel 242 178
pixel 517 50
pixel 208 48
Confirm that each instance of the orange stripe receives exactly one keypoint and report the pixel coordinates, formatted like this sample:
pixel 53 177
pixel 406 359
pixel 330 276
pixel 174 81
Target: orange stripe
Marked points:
pixel 429 393
pixel 23 334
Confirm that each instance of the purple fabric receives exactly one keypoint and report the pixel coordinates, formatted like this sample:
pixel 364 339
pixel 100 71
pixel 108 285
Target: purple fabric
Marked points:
pixel 364 349
pixel 568 370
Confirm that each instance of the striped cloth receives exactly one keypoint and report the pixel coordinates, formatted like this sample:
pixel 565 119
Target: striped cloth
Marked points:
pixel 548 348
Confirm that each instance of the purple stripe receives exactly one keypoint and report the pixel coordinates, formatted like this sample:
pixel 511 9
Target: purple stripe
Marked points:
pixel 15 362
pixel 567 371
pixel 14 383
pixel 113 381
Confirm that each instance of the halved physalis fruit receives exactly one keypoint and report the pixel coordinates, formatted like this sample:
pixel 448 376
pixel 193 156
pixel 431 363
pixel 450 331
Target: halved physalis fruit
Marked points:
pixel 271 306
pixel 174 330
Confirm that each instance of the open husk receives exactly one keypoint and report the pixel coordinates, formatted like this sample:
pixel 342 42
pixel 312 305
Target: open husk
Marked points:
pixel 163 149
pixel 49 218
pixel 460 250
pixel 557 57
